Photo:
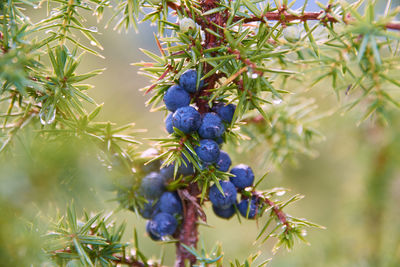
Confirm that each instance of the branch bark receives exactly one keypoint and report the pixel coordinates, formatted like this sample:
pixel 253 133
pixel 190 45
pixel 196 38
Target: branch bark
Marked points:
pixel 282 217
pixel 288 17
pixel 188 233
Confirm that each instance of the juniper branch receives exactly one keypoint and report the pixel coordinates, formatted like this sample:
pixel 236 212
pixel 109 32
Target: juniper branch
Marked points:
pixel 283 16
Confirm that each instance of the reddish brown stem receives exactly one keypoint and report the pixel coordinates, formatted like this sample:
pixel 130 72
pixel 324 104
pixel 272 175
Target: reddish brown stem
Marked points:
pixel 289 17
pixel 282 217
pixel 393 26
pixel 188 233
pixel 278 212
pixel 3 47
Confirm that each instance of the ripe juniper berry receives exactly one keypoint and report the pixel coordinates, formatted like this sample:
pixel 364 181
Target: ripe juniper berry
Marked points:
pixel 167 172
pixel 225 213
pixel 244 176
pixel 152 186
pixel 171 203
pixel 150 229
pixel 207 151
pixel 224 161
pixel 255 207
pixel 225 200
pixel 149 209
pixel 225 112
pixel 188 81
pixel 165 224
pixel 187 169
pixel 186 119
pixel 211 126
pixel 175 97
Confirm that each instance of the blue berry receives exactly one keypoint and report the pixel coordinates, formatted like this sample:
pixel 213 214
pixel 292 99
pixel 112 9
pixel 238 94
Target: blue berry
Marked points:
pixel 152 166
pixel 211 126
pixel 186 119
pixel 223 200
pixel 171 203
pixel 175 97
pixel 188 81
pixel 254 207
pixel 163 224
pixel 225 213
pixel 167 172
pixel 244 176
pixel 207 151
pixel 150 229
pixel 152 186
pixel 186 170
pixel 225 112
pixel 224 161
pixel 149 209
pixel 168 124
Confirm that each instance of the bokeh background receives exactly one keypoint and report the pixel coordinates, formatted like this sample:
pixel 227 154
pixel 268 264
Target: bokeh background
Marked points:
pixel 352 186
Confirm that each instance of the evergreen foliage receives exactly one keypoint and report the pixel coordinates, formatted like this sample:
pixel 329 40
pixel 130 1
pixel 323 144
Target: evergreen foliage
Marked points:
pixel 228 71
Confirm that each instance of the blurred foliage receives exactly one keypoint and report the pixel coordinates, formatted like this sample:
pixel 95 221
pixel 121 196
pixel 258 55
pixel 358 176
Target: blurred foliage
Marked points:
pixel 291 130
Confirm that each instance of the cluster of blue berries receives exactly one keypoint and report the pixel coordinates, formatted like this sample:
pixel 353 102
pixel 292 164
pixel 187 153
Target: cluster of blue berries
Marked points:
pixel 224 205
pixel 210 128
pixel 162 208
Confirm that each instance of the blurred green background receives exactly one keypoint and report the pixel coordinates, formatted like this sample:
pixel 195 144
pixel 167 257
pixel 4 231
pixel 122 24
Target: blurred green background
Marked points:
pixel 352 187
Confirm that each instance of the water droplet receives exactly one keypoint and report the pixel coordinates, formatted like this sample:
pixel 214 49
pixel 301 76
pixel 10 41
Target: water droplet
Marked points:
pixel 185 24
pixel 202 34
pixel 93 43
pixel 54 13
pixel 300 129
pixel 151 152
pixel 252 74
pixel 48 31
pixel 277 101
pixel 44 119
pixel 280 193
pixel 36 7
pixel 109 168
pixel 303 232
pixel 93 29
